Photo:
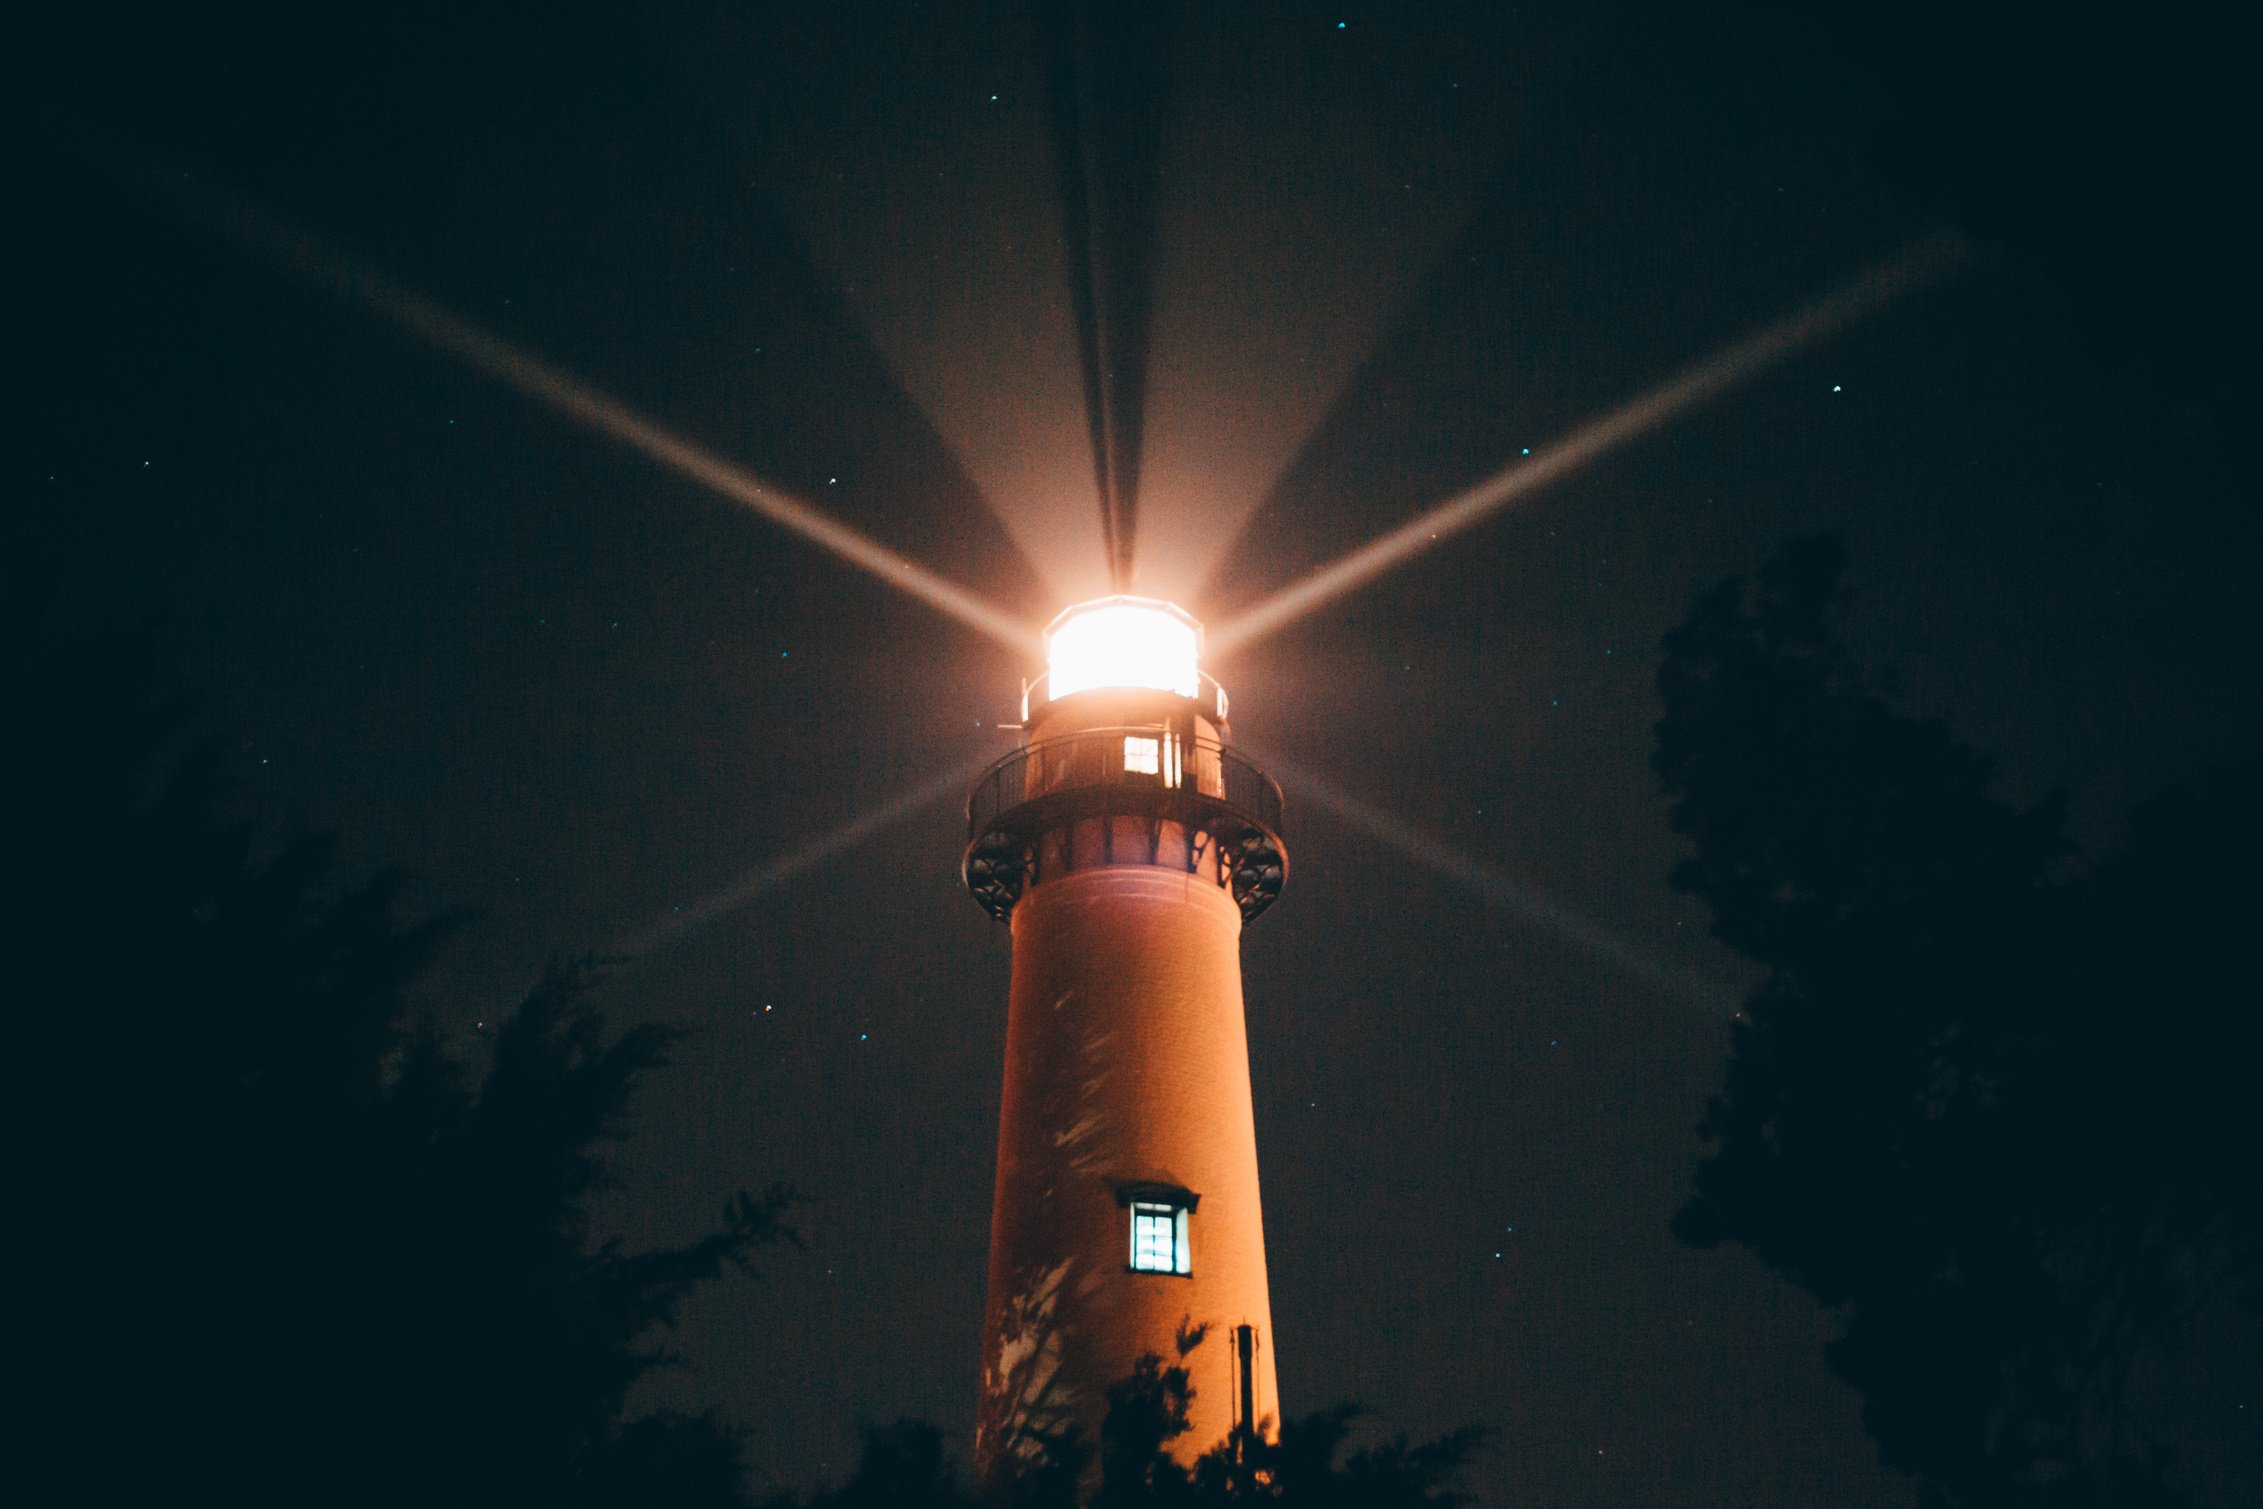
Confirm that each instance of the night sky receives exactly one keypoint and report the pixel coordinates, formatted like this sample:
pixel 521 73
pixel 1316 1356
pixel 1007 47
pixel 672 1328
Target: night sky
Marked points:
pixel 564 685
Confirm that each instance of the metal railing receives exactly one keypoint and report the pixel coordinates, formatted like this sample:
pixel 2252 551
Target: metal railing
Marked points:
pixel 1207 691
pixel 1127 761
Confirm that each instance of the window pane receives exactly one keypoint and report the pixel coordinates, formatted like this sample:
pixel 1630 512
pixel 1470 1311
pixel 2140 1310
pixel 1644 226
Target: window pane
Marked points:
pixel 1143 756
pixel 1153 1239
pixel 1159 1238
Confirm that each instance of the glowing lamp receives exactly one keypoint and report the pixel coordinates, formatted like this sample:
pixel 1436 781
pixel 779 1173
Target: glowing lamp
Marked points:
pixel 1122 642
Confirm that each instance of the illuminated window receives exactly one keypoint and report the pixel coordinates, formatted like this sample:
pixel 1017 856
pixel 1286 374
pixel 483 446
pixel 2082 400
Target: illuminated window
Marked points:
pixel 1143 756
pixel 1159 1238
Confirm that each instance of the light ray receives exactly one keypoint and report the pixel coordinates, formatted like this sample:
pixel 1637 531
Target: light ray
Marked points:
pixel 294 250
pixel 792 865
pixel 1509 894
pixel 1865 294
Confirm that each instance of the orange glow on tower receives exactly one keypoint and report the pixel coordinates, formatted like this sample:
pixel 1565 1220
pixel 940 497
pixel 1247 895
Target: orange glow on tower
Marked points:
pixel 1127 846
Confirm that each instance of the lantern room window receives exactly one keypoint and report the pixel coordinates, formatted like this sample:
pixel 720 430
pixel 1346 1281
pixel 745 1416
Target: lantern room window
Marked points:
pixel 1123 642
pixel 1159 1238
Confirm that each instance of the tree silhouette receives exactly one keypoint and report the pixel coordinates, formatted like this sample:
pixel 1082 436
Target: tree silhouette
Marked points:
pixel 282 1245
pixel 1147 1413
pixel 1308 1467
pixel 1988 1099
pixel 903 1466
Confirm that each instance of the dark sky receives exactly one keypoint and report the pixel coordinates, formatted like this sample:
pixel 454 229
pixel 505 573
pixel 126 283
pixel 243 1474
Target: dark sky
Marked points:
pixel 562 684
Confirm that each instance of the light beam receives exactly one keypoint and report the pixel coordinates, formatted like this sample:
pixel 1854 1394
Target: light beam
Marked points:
pixel 1510 895
pixel 772 874
pixel 294 250
pixel 1868 292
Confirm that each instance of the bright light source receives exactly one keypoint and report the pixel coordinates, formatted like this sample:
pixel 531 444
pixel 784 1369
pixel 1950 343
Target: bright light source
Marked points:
pixel 1126 642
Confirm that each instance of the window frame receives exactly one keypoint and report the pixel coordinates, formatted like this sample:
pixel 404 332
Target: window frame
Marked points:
pixel 1143 754
pixel 1151 1203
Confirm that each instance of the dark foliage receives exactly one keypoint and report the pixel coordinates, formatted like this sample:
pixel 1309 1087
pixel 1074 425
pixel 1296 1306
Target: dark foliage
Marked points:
pixel 902 1464
pixel 277 1243
pixel 1990 1099
pixel 1308 1467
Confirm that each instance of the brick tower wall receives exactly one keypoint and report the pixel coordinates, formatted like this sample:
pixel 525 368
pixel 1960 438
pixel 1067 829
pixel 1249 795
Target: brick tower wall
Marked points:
pixel 1127 1064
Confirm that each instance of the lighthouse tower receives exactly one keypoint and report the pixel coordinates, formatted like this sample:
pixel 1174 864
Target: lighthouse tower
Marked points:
pixel 1126 846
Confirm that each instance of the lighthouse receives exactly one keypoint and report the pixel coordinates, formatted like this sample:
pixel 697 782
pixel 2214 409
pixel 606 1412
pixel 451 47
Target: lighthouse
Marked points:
pixel 1126 845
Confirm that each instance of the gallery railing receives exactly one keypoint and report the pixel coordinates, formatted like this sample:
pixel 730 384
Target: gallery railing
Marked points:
pixel 1126 763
